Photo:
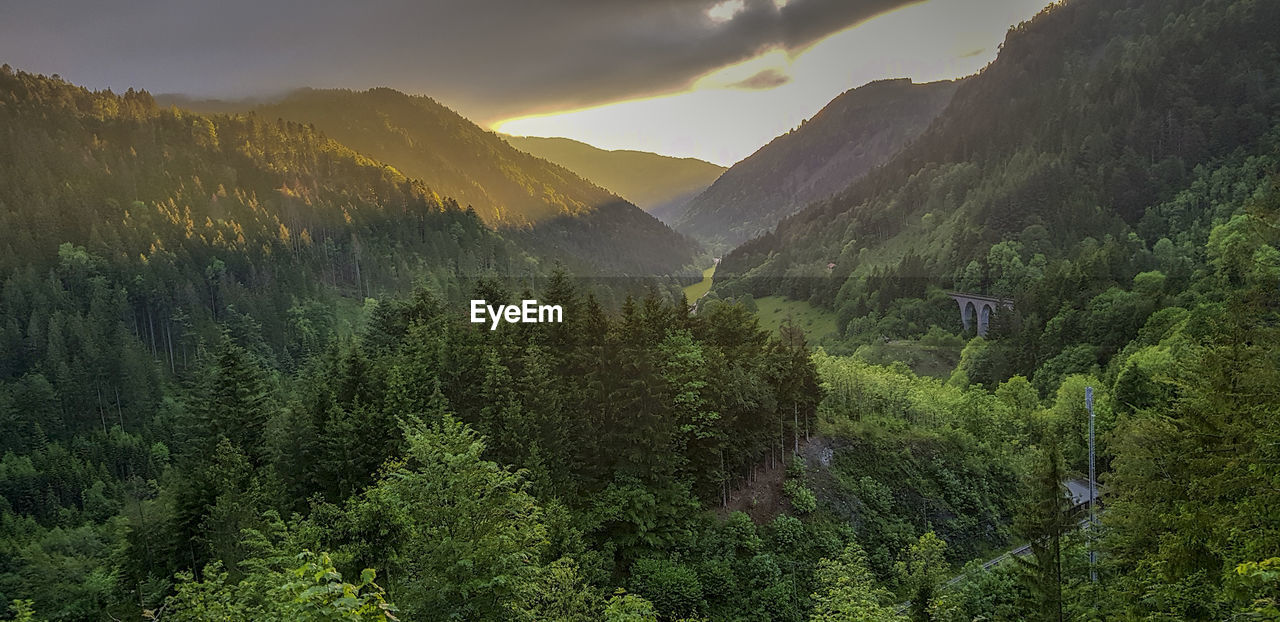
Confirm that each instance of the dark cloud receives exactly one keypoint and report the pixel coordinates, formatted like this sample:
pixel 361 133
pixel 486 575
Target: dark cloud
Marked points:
pixel 489 58
pixel 766 79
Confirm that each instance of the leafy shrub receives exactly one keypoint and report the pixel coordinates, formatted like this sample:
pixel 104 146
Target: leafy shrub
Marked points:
pixel 802 499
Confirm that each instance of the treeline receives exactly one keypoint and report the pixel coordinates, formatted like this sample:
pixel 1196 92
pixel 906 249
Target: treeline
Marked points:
pixel 1114 172
pixel 856 132
pixel 168 280
pixel 1086 261
pixel 432 468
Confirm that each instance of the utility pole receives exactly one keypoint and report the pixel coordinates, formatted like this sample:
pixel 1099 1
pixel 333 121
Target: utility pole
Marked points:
pixel 1093 490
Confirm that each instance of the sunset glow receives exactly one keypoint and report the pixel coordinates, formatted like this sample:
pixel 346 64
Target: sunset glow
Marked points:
pixel 725 115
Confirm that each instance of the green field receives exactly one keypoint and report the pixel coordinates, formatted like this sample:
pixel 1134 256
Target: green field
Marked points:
pixel 693 292
pixel 819 325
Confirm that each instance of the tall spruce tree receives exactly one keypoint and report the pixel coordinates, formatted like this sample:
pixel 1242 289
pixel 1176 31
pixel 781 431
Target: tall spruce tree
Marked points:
pixel 1046 517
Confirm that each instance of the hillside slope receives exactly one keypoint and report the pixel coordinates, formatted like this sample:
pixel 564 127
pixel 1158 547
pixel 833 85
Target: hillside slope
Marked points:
pixel 170 223
pixel 1094 112
pixel 850 136
pixel 560 212
pixel 658 184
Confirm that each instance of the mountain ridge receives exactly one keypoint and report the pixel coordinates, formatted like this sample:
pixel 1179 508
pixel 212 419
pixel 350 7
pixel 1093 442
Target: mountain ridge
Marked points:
pixel 658 184
pixel 852 134
pixel 543 205
pixel 1090 121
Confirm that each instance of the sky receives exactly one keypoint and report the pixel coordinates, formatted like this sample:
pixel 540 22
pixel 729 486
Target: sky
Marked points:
pixel 728 113
pixel 713 79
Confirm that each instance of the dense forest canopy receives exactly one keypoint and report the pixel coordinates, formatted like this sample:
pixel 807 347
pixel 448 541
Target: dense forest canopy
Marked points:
pixel 1106 142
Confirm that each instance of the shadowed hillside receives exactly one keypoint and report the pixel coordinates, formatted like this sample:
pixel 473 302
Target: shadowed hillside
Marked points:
pixel 560 212
pixel 853 134
pixel 658 184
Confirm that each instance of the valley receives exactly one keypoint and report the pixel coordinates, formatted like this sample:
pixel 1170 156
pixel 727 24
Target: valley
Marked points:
pixel 347 354
pixel 694 292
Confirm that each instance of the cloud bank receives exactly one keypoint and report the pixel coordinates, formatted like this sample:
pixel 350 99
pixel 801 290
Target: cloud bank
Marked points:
pixel 489 58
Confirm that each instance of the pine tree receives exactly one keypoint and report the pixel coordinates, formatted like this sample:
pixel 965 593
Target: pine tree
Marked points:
pixel 235 400
pixel 501 415
pixel 1044 521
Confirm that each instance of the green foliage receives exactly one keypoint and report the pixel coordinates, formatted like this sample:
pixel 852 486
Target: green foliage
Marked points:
pixel 802 499
pixel 543 206
pixel 982 594
pixel 561 594
pixel 1258 584
pixel 625 607
pixel 1043 521
pixel 912 454
pixel 457 534
pixel 198 336
pixel 1086 227
pixel 921 572
pixel 848 590
pixel 1199 470
pixel 311 592
pixel 22 611
pixel 672 587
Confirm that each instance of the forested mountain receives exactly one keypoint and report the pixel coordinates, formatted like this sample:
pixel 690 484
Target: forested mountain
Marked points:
pixel 555 210
pixel 1106 140
pixel 238 380
pixel 1116 174
pixel 856 132
pixel 658 184
pixel 1093 115
pixel 113 209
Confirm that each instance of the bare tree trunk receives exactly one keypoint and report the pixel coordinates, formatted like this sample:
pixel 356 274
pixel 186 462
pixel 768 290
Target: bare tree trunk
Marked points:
pixel 119 413
pixel 101 413
pixel 152 326
pixel 724 483
pixel 168 339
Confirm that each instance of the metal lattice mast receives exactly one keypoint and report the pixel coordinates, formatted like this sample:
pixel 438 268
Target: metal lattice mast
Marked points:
pixel 1093 490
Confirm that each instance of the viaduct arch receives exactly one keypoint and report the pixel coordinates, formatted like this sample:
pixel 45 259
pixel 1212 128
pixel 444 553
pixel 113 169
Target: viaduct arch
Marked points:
pixel 977 309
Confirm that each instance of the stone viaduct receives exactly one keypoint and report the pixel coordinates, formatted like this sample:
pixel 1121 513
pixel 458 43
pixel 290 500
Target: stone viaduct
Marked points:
pixel 978 308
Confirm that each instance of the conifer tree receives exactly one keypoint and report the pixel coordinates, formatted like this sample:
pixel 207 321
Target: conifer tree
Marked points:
pixel 1046 517
pixel 235 400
